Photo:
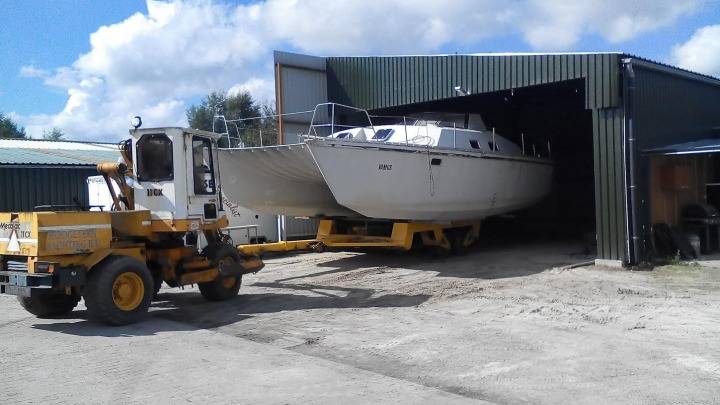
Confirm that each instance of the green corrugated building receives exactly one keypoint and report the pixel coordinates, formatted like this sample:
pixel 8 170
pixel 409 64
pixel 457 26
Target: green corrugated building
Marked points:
pixel 37 172
pixel 604 115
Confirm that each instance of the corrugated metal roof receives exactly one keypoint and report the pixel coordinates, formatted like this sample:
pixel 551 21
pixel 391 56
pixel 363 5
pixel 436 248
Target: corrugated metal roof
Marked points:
pixel 38 152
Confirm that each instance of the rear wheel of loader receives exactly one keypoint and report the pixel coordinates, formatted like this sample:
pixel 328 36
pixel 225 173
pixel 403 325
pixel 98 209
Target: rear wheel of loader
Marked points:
pixel 49 305
pixel 222 288
pixel 119 291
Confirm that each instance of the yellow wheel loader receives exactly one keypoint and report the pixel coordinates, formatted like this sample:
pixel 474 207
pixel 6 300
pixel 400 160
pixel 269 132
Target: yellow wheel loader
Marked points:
pixel 166 205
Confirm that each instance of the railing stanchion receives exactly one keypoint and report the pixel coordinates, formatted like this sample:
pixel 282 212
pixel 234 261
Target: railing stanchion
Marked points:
pixel 454 136
pixel 405 124
pixel 522 140
pixel 332 120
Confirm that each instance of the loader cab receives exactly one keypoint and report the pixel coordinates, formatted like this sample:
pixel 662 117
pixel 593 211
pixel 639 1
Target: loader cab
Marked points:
pixel 177 174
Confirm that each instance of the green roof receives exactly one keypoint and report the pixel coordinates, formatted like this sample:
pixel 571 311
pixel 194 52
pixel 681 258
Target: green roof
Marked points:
pixel 35 152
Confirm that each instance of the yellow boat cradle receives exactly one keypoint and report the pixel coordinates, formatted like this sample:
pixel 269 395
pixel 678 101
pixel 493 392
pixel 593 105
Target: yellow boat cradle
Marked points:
pixel 342 234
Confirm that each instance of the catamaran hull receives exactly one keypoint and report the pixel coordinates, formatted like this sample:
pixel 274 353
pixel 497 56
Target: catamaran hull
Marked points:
pixel 281 180
pixel 383 182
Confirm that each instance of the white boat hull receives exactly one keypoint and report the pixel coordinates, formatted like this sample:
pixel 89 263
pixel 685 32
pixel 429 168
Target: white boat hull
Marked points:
pixel 397 182
pixel 283 180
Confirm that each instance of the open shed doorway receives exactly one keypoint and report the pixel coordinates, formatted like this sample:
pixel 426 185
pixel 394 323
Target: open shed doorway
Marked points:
pixel 685 199
pixel 546 118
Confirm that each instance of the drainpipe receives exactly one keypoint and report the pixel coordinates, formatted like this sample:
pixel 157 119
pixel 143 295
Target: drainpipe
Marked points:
pixel 631 197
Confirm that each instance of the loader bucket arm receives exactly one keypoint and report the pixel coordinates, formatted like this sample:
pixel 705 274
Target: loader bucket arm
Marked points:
pixel 117 172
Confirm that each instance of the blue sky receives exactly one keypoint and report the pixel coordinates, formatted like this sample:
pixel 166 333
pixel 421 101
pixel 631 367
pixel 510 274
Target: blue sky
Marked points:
pixel 50 34
pixel 42 36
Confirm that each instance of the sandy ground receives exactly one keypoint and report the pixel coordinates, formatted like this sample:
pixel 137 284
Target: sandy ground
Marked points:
pixel 504 325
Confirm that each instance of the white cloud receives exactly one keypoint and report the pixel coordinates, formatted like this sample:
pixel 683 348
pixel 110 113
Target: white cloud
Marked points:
pixel 151 63
pixel 701 53
pixel 261 89
pixel 559 24
pixel 31 71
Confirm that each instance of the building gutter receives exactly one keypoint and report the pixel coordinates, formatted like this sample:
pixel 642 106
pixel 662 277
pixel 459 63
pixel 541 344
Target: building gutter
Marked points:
pixel 631 206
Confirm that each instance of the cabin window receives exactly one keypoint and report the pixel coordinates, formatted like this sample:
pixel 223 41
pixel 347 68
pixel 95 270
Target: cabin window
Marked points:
pixel 344 135
pixel 154 158
pixel 383 134
pixel 203 173
pixel 474 144
pixel 493 146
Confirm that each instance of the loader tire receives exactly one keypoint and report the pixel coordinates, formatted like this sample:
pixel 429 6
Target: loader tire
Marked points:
pixel 49 305
pixel 222 288
pixel 119 291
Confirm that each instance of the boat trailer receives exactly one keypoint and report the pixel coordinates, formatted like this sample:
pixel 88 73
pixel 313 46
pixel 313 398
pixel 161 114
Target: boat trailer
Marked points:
pixel 453 237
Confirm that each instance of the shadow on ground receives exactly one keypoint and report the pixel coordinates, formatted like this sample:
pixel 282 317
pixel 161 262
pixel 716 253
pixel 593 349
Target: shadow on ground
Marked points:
pixel 190 311
pixel 481 262
pixel 506 249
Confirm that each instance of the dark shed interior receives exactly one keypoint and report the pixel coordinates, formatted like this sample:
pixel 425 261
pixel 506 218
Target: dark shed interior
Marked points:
pixel 548 119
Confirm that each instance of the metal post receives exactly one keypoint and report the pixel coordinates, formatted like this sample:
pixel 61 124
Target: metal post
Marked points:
pixel 534 153
pixel 494 146
pixel 332 120
pixel 522 139
pixel 405 124
pixel 261 142
pixel 454 136
pixel 549 151
pixel 227 132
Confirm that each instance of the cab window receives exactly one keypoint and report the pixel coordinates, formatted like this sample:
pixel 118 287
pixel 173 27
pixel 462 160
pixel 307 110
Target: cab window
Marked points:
pixel 203 173
pixel 155 158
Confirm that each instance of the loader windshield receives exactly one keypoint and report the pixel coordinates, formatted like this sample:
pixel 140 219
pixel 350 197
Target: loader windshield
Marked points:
pixel 155 158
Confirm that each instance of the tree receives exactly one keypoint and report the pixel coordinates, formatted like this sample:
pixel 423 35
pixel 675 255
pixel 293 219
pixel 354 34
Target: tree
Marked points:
pixel 201 116
pixel 234 107
pixel 269 125
pixel 9 129
pixel 55 134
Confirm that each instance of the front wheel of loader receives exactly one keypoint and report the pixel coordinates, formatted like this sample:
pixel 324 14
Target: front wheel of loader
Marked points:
pixel 223 287
pixel 49 305
pixel 119 291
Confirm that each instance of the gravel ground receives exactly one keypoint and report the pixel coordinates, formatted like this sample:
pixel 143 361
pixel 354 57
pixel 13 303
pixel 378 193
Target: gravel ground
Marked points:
pixel 503 324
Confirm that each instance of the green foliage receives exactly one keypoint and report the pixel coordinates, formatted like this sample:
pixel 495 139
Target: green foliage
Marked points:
pixel 201 116
pixel 55 134
pixel 234 107
pixel 9 129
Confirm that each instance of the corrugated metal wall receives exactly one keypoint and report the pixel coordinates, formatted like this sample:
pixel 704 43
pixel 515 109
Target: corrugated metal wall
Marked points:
pixel 672 109
pixel 22 188
pixel 309 88
pixel 302 89
pixel 380 82
pixel 609 164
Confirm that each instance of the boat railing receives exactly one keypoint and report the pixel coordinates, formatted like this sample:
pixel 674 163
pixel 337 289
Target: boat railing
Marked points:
pixel 220 122
pixel 332 109
pixel 333 106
